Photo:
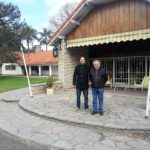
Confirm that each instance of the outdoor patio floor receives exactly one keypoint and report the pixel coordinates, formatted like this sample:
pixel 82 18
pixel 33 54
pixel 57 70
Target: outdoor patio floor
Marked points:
pixel 122 110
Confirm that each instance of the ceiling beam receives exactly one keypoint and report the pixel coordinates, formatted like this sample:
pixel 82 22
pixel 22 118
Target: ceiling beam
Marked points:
pixel 61 37
pixel 75 22
pixel 89 4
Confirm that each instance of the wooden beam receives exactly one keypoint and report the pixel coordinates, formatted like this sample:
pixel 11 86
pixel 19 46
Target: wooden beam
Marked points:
pixel 75 22
pixel 61 37
pixel 89 4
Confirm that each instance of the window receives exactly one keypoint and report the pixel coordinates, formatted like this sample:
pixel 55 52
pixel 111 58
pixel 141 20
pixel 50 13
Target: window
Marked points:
pixel 10 67
pixel 45 68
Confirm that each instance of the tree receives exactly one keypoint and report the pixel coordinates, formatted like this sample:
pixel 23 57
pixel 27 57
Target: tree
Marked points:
pixel 9 28
pixel 61 16
pixel 12 32
pixel 29 35
pixel 45 35
pixel 9 15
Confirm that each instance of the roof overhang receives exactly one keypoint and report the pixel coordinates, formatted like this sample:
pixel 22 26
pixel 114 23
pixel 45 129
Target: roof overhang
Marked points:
pixel 75 18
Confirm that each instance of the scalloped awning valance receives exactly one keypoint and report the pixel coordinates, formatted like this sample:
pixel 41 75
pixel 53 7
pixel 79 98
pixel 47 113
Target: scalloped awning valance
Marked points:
pixel 104 39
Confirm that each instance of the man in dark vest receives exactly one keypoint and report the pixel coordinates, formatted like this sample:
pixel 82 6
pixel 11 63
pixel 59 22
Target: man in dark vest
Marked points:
pixel 80 81
pixel 98 78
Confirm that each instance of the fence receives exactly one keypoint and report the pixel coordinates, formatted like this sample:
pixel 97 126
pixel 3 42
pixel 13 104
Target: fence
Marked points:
pixel 126 71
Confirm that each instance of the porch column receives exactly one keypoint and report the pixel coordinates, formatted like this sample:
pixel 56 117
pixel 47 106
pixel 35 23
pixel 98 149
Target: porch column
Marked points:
pixel 39 71
pixel 113 71
pixel 50 70
pixel 128 72
pixel 68 59
pixel 30 71
pixel 146 66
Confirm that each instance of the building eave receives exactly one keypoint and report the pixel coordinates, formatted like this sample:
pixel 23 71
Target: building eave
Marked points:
pixel 75 18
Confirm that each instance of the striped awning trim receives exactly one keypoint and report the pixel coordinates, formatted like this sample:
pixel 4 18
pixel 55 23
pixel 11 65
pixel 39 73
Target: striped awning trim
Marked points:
pixel 104 39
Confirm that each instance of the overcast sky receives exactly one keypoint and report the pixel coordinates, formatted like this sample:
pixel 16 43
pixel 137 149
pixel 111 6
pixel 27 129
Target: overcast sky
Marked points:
pixel 37 12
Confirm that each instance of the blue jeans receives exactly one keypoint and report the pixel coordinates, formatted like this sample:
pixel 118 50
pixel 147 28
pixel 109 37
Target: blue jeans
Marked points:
pixel 85 93
pixel 98 93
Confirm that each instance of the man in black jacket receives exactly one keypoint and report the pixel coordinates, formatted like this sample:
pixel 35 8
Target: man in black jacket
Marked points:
pixel 98 78
pixel 80 81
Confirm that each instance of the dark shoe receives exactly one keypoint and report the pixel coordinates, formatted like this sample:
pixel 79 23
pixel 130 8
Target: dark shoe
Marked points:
pixel 93 113
pixel 87 107
pixel 101 113
pixel 77 109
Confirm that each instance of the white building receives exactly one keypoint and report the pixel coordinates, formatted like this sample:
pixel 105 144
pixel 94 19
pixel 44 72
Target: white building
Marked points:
pixel 11 69
pixel 38 63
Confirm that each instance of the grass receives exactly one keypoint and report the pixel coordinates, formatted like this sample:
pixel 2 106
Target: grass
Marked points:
pixel 10 83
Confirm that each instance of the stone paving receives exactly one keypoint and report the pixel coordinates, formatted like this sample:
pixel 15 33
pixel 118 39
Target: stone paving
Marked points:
pixel 121 112
pixel 14 95
pixel 9 143
pixel 66 129
pixel 51 134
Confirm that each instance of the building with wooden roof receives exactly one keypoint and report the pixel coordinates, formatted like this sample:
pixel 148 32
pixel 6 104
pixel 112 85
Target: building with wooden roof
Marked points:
pixel 115 31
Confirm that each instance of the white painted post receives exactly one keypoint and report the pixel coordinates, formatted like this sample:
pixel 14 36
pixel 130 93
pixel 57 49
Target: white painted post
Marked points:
pixel 148 101
pixel 113 72
pixel 129 73
pixel 30 71
pixel 39 71
pixel 146 66
pixel 50 70
pixel 27 74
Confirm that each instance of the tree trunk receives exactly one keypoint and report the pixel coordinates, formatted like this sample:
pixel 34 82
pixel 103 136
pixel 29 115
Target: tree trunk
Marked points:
pixel 28 44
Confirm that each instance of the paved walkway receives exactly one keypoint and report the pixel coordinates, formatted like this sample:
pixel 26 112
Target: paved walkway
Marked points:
pixel 58 136
pixel 68 133
pixel 14 95
pixel 121 112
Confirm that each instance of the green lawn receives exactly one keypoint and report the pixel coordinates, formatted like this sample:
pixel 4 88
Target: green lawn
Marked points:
pixel 10 83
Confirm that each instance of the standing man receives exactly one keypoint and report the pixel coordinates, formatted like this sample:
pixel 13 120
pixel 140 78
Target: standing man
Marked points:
pixel 80 81
pixel 98 78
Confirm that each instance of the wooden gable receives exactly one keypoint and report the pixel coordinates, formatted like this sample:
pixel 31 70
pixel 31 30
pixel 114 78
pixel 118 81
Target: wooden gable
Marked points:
pixel 117 17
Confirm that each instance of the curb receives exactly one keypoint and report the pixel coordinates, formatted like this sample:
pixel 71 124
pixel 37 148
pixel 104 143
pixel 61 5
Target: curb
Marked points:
pixel 29 141
pixel 87 125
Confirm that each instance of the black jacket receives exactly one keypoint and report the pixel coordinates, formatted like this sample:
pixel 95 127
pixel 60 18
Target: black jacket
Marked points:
pixel 81 76
pixel 98 78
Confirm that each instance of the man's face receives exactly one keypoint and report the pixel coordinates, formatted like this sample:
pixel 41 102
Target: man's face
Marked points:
pixel 82 60
pixel 96 65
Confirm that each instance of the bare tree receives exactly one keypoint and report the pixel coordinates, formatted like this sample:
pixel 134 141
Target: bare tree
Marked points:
pixel 62 14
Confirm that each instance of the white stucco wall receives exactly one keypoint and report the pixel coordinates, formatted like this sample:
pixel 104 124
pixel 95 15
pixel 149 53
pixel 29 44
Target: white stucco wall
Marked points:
pixel 17 71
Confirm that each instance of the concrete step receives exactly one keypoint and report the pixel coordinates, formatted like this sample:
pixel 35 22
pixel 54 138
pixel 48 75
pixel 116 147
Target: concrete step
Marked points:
pixel 119 115
pixel 60 136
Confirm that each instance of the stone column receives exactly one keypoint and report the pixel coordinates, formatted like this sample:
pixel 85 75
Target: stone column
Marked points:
pixel 39 71
pixel 30 71
pixel 50 70
pixel 68 59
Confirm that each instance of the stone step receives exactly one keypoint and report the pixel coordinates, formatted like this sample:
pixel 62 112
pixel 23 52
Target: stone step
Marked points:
pixel 59 136
pixel 61 108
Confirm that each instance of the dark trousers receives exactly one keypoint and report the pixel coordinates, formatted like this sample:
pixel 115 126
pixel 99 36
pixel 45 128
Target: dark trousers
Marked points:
pixel 85 93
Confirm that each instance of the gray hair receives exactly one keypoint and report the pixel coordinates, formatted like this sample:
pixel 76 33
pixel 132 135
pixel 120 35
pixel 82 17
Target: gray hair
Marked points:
pixel 97 60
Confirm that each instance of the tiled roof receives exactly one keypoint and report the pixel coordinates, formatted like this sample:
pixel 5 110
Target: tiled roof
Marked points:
pixel 39 58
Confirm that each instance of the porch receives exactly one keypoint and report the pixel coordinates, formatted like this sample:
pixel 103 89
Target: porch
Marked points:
pixel 127 63
pixel 42 70
pixel 127 72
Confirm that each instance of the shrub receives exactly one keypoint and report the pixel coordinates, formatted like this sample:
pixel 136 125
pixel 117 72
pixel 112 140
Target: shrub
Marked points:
pixel 50 81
